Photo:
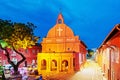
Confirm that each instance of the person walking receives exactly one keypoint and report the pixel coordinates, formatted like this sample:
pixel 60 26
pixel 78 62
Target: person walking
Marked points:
pixel 40 77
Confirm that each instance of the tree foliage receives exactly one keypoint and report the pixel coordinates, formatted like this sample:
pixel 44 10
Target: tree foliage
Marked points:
pixel 6 28
pixel 22 36
pixel 15 36
pixel 90 53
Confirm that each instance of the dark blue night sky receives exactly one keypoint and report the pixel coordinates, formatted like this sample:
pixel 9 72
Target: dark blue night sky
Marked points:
pixel 92 20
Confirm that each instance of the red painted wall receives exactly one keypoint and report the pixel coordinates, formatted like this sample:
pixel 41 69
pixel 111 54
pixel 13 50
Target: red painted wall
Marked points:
pixel 29 53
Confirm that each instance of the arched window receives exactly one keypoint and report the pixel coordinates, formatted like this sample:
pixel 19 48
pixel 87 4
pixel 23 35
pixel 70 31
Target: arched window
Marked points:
pixel 43 64
pixel 53 65
pixel 59 21
pixel 64 65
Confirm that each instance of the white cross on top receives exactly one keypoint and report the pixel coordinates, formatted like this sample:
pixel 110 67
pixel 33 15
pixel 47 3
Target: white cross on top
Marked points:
pixel 59 30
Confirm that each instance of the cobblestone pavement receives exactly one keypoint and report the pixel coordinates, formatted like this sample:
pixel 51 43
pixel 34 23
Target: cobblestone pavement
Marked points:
pixel 59 76
pixel 90 71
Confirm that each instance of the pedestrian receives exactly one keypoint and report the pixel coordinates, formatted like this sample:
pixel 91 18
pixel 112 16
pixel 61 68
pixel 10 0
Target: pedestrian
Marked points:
pixel 3 76
pixel 40 77
pixel 25 76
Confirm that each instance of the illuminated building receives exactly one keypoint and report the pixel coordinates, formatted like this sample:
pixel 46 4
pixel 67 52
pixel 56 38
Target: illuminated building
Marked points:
pixel 108 55
pixel 62 51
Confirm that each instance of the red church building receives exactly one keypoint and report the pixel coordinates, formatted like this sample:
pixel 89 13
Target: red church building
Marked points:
pixel 62 51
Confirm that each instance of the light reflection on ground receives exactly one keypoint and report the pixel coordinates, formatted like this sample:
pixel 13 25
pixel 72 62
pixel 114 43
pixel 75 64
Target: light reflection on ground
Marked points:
pixel 89 71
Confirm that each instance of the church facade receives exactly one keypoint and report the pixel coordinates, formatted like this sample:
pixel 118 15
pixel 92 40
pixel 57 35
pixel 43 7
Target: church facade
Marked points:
pixel 62 51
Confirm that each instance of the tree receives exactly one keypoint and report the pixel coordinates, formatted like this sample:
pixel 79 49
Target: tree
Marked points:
pixel 90 53
pixel 16 36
